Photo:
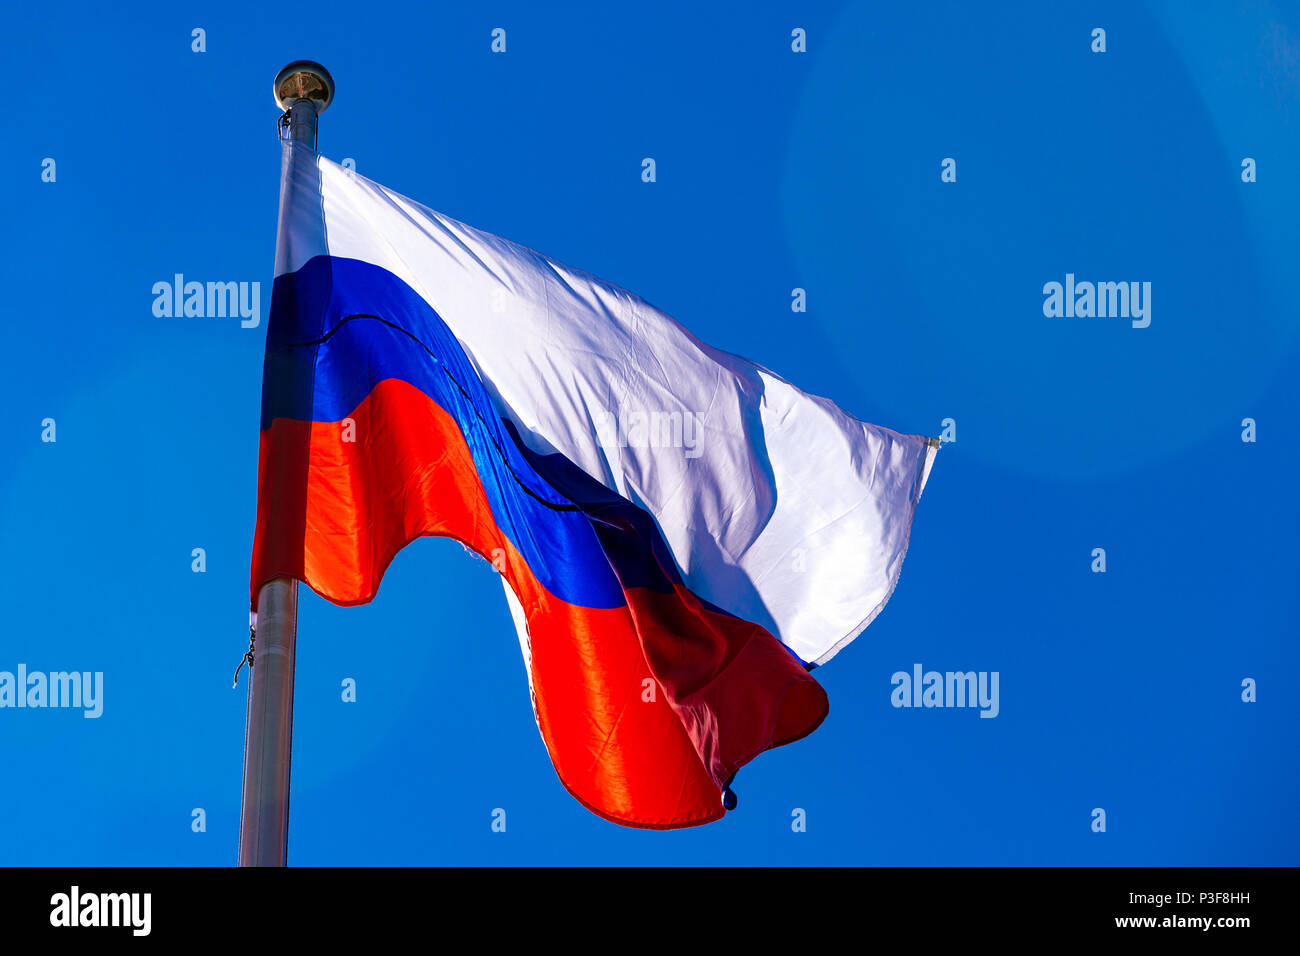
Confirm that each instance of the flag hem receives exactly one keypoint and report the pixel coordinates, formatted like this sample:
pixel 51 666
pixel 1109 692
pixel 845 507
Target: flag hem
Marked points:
pixel 922 475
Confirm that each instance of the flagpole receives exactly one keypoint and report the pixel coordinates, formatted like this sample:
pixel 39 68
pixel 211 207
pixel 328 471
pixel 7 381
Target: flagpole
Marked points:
pixel 303 89
pixel 264 821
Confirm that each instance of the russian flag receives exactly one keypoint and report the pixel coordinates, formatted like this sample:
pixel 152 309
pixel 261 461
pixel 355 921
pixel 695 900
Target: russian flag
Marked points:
pixel 682 535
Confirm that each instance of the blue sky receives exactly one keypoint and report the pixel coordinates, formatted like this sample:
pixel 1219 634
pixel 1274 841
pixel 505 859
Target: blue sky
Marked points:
pixel 776 170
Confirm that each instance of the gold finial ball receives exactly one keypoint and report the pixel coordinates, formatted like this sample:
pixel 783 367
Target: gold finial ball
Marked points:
pixel 304 80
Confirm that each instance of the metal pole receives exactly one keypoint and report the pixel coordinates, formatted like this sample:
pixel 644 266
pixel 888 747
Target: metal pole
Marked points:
pixel 303 90
pixel 302 122
pixel 264 822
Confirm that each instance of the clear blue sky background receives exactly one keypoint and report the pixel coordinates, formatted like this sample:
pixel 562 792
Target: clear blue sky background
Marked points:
pixel 776 170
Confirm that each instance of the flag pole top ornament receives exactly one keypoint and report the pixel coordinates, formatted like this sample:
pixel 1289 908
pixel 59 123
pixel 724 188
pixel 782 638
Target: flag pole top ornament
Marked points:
pixel 304 80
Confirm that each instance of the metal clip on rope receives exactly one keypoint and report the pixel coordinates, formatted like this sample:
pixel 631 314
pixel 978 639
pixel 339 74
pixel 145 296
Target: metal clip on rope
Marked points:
pixel 248 656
